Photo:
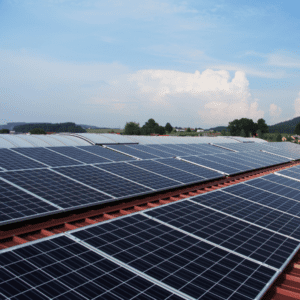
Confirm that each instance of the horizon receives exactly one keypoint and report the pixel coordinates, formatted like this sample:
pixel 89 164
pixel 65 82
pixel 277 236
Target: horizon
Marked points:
pixel 196 63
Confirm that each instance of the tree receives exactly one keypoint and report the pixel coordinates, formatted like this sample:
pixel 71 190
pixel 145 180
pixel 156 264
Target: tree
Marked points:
pixel 4 131
pixel 37 131
pixel 132 128
pixel 297 129
pixel 152 127
pixel 289 139
pixel 279 138
pixel 168 127
pixel 243 133
pixel 261 124
pixel 260 134
pixel 223 132
pixel 247 125
pixel 188 129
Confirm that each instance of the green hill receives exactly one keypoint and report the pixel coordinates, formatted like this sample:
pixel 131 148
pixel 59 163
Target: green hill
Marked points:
pixel 285 127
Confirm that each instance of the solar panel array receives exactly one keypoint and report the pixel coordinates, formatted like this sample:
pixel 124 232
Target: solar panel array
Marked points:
pixel 225 244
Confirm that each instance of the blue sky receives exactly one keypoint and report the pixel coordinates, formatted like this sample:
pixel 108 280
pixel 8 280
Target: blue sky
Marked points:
pixel 190 63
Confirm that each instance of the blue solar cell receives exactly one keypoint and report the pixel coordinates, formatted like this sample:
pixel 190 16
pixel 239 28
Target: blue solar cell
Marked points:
pixel 17 205
pixel 191 266
pixel 62 268
pixel 235 235
pixel 150 150
pixel 104 181
pixel 292 172
pixel 236 158
pixel 167 171
pixel 80 155
pixel 167 149
pixel 10 160
pixel 131 151
pixel 56 188
pixel 106 153
pixel 210 148
pixel 47 157
pixel 191 168
pixel 283 181
pixel 139 175
pixel 183 148
pixel 252 212
pixel 211 164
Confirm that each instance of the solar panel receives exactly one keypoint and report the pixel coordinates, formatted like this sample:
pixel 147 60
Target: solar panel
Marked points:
pixel 187 264
pixel 283 181
pixel 211 164
pixel 10 160
pixel 283 153
pixel 240 160
pixel 210 148
pixel 17 205
pixel 131 151
pixel 167 171
pixel 251 212
pixel 139 175
pixel 104 181
pixel 150 150
pixel 275 188
pixel 47 157
pixel 63 269
pixel 56 188
pixel 168 150
pixel 106 153
pixel 80 155
pixel 236 235
pixel 265 198
pixel 291 172
pixel 191 168
pixel 183 148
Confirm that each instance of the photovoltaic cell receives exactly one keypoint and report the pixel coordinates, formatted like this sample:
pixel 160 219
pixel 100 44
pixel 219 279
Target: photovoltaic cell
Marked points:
pixel 275 188
pixel 141 176
pixel 211 164
pixel 63 269
pixel 291 173
pixel 283 181
pixel 16 204
pixel 167 149
pixel 150 150
pixel 132 151
pixel 10 160
pixel 167 171
pixel 191 266
pixel 103 181
pixel 56 188
pixel 183 148
pixel 236 235
pixel 263 197
pixel 210 148
pixel 252 212
pixel 80 155
pixel 47 156
pixel 106 153
pixel 191 168
pixel 233 157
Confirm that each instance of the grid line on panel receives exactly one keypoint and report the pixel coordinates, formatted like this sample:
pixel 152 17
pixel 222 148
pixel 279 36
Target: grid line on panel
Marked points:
pixel 62 267
pixel 64 154
pixel 150 150
pixel 185 263
pixel 17 204
pixel 104 181
pixel 106 153
pixel 129 268
pixel 283 181
pixel 253 212
pixel 11 160
pixel 167 172
pixel 131 151
pixel 266 198
pixel 139 175
pixel 167 149
pixel 224 231
pixel 80 155
pixel 46 156
pixel 55 188
pixel 287 177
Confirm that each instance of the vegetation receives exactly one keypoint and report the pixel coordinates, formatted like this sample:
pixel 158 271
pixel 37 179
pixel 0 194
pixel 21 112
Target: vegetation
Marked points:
pixel 297 129
pixel 168 127
pixel 132 128
pixel 188 129
pixel 285 127
pixel 4 131
pixel 150 127
pixel 37 131
pixel 105 130
pixel 246 127
pixel 49 127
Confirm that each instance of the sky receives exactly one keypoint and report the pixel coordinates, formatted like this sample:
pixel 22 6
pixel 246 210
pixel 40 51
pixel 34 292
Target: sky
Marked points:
pixel 191 63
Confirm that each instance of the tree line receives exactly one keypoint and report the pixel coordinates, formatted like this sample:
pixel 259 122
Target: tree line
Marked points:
pixel 49 127
pixel 150 127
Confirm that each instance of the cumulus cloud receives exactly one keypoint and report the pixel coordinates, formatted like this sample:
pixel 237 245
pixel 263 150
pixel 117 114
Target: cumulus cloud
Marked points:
pixel 275 111
pixel 210 95
pixel 297 106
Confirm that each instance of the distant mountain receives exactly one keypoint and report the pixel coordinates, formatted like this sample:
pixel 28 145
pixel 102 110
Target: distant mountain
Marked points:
pixel 218 128
pixel 91 127
pixel 285 127
pixel 11 125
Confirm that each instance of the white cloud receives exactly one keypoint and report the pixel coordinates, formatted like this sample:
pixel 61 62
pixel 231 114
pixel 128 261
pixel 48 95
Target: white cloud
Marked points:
pixel 275 111
pixel 297 106
pixel 284 59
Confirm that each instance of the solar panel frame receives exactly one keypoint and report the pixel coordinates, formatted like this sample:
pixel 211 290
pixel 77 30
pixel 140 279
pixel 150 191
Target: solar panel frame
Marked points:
pixel 48 157
pixel 153 151
pixel 79 155
pixel 163 147
pixel 176 259
pixel 131 151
